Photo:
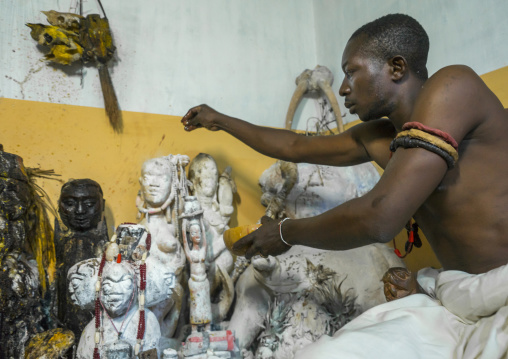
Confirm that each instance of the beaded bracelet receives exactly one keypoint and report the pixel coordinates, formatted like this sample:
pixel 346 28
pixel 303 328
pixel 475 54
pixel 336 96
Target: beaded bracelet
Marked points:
pixel 280 232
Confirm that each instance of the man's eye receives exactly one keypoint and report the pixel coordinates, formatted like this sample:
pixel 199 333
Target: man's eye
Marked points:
pixel 90 203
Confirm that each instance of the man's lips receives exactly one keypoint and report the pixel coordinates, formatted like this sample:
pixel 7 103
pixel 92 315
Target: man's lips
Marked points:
pixel 350 106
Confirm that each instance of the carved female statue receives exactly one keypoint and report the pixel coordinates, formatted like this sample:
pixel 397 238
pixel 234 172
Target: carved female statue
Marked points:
pixel 120 315
pixel 193 231
pixel 159 200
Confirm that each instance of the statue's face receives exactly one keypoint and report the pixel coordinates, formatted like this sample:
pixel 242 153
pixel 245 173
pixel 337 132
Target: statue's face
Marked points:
pixel 195 234
pixel 155 183
pixel 81 207
pixel 82 285
pixel 117 289
pixel 207 178
pixel 14 199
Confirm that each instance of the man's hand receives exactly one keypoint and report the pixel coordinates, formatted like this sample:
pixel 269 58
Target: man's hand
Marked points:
pixel 264 241
pixel 201 116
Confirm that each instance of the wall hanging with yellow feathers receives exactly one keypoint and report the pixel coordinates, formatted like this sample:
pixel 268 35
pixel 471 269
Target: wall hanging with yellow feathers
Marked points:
pixel 72 37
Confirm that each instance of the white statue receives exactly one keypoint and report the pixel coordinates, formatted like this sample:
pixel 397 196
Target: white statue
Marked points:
pixel 215 195
pixel 193 231
pixel 120 319
pixel 302 272
pixel 159 200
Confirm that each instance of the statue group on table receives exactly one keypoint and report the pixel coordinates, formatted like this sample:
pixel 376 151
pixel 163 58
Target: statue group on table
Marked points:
pixel 165 287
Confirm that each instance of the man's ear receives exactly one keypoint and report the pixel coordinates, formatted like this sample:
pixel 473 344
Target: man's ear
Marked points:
pixel 399 67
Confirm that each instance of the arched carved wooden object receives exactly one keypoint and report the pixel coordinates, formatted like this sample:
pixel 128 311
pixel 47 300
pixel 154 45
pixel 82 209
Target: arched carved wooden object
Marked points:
pixel 315 81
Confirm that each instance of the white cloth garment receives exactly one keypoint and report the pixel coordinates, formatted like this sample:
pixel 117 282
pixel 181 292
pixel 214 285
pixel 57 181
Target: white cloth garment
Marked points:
pixel 468 318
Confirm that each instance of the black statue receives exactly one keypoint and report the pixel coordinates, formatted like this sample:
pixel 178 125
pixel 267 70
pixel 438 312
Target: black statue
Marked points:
pixel 81 234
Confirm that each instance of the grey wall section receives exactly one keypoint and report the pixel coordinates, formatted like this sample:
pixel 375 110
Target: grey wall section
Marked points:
pixel 241 57
pixel 468 32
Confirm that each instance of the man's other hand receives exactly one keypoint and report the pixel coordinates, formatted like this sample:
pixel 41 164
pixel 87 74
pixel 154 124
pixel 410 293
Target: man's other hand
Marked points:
pixel 265 241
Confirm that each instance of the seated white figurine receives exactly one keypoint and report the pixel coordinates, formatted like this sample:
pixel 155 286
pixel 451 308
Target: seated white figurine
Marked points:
pixel 120 316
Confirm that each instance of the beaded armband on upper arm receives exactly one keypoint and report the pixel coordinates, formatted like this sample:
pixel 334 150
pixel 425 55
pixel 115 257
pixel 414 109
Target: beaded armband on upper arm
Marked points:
pixel 417 135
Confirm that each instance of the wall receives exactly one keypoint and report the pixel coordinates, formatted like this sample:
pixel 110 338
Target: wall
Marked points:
pixel 241 57
pixel 465 32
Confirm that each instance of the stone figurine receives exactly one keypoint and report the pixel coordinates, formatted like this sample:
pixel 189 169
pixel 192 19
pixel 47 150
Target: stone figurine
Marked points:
pixel 120 318
pixel 81 233
pixel 215 195
pixel 131 246
pixel 206 186
pixel 194 242
pixel 159 201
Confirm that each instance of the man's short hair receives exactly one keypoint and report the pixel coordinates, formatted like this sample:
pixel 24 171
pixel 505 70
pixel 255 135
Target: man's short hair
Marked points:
pixel 396 34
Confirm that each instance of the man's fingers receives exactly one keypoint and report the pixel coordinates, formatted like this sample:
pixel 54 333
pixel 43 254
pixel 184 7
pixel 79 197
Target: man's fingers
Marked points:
pixel 243 242
pixel 251 252
pixel 191 113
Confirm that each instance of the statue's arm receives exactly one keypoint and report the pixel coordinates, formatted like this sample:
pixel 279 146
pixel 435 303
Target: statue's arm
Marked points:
pixel 186 248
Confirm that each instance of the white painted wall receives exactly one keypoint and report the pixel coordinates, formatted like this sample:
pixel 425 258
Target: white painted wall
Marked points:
pixel 241 57
pixel 468 32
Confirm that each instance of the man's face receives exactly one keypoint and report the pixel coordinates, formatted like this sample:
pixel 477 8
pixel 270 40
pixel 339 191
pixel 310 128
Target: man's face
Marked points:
pixel 155 183
pixel 81 207
pixel 366 85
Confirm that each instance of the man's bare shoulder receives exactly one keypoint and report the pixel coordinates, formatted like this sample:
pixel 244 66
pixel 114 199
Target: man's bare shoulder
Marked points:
pixel 456 82
pixel 455 99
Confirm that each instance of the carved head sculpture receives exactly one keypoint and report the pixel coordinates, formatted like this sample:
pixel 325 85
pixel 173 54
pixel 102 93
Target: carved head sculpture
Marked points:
pixel 14 202
pixel 81 204
pixel 156 178
pixel 204 175
pixel 119 288
pixel 81 278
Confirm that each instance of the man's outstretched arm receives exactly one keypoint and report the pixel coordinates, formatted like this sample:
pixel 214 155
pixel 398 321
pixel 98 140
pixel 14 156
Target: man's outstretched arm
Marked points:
pixel 357 145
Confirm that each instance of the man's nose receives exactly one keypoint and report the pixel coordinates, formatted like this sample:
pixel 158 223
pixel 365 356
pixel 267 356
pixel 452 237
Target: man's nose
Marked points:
pixel 344 88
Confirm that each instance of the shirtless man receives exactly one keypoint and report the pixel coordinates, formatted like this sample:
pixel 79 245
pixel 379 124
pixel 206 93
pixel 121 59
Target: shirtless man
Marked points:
pixel 461 210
